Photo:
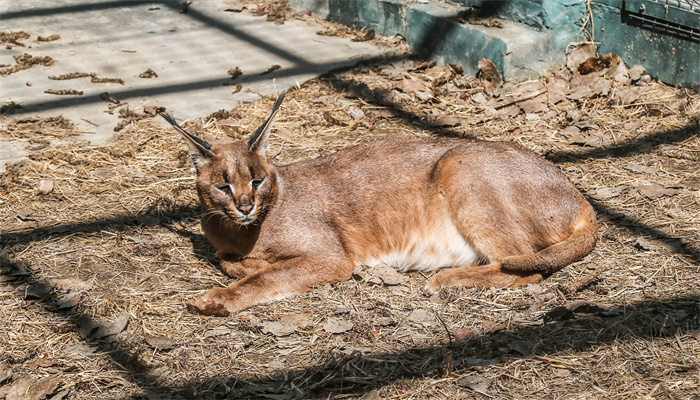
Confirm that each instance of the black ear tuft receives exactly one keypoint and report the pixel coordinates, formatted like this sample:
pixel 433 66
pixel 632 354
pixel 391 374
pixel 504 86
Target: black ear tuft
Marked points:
pixel 258 140
pixel 200 151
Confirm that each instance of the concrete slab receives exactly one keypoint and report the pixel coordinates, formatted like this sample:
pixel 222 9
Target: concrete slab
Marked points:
pixel 190 52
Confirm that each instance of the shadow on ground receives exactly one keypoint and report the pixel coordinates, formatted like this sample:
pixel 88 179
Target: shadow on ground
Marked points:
pixel 646 319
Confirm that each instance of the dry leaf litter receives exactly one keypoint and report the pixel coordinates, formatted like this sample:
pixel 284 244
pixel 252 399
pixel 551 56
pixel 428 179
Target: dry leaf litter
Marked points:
pixel 101 248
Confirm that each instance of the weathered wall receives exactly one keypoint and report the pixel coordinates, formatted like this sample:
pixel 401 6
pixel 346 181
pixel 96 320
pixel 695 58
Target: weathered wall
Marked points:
pixel 534 38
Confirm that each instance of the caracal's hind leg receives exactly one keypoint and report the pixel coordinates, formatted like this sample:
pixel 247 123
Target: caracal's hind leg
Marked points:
pixel 482 276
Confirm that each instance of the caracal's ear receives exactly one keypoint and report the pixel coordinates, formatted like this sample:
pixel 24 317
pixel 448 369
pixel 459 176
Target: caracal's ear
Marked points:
pixel 200 151
pixel 257 142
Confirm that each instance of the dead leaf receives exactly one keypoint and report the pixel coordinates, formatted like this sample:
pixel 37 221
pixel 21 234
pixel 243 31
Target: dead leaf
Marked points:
pixel 490 79
pixel 534 289
pixel 636 72
pixel 640 169
pixel 584 125
pixel 584 306
pixel 573 135
pixel 278 328
pixel 272 68
pixel 671 246
pixel 457 69
pixel 556 89
pixel 510 111
pixel 359 350
pixel 398 68
pixel 574 114
pixel 234 72
pixel 147 220
pixel 70 300
pixel 595 64
pixel 335 325
pixel 655 190
pixel 521 346
pixel 45 186
pixel 619 72
pixel 601 87
pixel 627 97
pixel 29 389
pixel 422 316
pixel 560 313
pixel 632 125
pixel 579 55
pixel 447 120
pixel 37 290
pixel 476 383
pixel 102 173
pixel 371 395
pixel 534 105
pixel 19 389
pixel 480 362
pixel 479 98
pixel 423 95
pixel 160 342
pixel 5 371
pixel 86 326
pixel 579 93
pixel 218 331
pixel 463 334
pixel 79 351
pixel 71 284
pixel 364 36
pixel 490 327
pixel 301 320
pixel 606 193
pixel 409 85
pixel 388 275
pixel 235 7
pixel 387 96
pixel 106 328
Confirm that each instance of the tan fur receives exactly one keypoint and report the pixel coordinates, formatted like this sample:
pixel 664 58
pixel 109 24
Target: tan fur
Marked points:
pixel 496 212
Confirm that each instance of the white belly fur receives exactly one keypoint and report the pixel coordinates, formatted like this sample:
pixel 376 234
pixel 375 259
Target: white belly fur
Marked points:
pixel 430 248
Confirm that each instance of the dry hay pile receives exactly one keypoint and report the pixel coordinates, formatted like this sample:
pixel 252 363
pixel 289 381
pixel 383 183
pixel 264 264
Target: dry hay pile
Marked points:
pixel 101 248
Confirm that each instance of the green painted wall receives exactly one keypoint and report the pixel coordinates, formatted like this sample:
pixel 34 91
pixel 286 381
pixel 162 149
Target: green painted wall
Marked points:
pixel 670 59
pixel 533 41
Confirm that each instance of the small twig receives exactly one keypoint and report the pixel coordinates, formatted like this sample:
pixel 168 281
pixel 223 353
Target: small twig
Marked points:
pixel 581 282
pixel 447 353
pixel 519 99
pixel 280 150
pixel 328 378
pixel 89 122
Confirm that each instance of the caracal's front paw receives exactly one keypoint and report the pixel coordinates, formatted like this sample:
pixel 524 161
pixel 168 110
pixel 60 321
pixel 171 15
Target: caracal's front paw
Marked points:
pixel 234 270
pixel 211 304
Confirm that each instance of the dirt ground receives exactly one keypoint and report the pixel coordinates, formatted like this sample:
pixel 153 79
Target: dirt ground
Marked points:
pixel 101 248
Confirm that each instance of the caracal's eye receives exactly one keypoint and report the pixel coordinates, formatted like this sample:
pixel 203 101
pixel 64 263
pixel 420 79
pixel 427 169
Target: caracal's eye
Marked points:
pixel 255 183
pixel 224 188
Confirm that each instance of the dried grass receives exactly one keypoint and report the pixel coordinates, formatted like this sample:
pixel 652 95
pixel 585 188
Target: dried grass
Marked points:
pixel 124 217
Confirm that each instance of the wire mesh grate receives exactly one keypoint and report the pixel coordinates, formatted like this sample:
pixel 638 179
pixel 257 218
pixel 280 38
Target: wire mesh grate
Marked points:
pixel 688 5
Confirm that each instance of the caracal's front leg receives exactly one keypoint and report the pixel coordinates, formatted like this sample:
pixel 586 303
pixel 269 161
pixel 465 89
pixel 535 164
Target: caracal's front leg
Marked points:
pixel 278 280
pixel 236 268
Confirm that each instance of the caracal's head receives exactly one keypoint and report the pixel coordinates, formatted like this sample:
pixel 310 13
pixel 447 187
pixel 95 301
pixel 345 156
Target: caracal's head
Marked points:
pixel 235 180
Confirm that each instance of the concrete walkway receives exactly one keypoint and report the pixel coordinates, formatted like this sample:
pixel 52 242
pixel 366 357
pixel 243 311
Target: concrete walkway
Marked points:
pixel 190 52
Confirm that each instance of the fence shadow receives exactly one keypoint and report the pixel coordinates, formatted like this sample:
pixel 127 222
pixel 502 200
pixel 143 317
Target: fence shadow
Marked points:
pixel 599 326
